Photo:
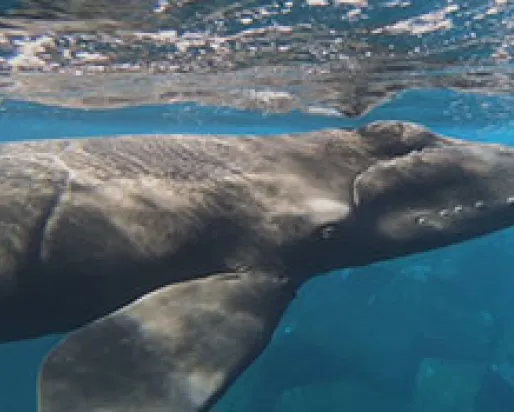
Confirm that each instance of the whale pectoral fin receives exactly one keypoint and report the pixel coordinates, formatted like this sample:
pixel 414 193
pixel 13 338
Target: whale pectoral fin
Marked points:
pixel 176 349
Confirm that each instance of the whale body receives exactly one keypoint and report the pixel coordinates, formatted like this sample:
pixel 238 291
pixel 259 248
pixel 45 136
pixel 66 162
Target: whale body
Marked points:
pixel 171 259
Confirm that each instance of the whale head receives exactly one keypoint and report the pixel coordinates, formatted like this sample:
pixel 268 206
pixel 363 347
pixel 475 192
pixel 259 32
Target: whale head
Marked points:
pixel 412 191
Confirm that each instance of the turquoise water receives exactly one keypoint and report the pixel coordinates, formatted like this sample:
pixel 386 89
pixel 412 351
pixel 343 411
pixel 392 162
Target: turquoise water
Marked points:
pixel 416 334
pixel 470 116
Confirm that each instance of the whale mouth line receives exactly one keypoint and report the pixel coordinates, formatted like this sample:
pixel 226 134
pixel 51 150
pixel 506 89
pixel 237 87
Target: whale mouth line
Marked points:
pixel 414 155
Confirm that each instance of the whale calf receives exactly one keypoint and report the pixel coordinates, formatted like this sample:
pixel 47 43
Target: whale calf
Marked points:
pixel 170 259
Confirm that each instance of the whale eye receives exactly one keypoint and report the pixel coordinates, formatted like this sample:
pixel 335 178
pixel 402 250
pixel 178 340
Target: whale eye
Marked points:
pixel 327 232
pixel 421 220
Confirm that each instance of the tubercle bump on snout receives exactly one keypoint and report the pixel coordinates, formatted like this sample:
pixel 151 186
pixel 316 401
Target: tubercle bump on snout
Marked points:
pixel 424 219
pixel 394 139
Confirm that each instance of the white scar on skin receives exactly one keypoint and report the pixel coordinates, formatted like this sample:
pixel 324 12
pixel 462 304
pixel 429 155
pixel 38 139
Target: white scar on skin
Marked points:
pixel 323 210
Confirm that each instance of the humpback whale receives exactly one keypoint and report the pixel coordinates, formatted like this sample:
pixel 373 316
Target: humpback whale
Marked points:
pixel 170 259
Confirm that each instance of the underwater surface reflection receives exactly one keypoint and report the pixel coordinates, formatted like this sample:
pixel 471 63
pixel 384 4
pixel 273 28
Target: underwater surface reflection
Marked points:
pixel 433 332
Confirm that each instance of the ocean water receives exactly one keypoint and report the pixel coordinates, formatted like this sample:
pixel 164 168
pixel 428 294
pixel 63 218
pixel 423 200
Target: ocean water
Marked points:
pixel 414 334
pixel 429 333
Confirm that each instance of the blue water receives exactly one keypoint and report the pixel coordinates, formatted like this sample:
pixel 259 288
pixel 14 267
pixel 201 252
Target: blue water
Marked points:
pixel 372 327
pixel 470 116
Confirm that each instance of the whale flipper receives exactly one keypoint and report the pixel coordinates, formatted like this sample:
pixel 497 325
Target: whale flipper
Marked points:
pixel 175 349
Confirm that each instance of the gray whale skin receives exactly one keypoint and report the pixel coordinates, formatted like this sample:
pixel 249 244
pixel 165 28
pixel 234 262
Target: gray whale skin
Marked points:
pixel 170 259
